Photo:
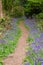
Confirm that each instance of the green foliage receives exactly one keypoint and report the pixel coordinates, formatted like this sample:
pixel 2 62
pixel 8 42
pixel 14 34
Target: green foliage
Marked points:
pixel 28 7
pixel 39 63
pixel 7 4
pixel 2 20
pixel 17 11
pixel 36 0
pixel 7 48
pixel 29 59
pixel 40 25
pixel 27 27
pixel 30 40
pixel 32 8
pixel 39 16
pixel 1 63
pixel 3 23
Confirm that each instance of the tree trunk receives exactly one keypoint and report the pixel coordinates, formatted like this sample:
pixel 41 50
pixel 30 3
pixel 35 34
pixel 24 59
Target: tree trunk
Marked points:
pixel 1 10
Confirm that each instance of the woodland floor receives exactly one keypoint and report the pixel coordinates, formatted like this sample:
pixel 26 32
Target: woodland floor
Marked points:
pixel 16 58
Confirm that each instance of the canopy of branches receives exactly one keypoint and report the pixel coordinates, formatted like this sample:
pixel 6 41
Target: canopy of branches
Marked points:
pixel 26 8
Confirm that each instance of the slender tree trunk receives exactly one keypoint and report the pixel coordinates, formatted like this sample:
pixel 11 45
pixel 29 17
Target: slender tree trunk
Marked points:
pixel 1 10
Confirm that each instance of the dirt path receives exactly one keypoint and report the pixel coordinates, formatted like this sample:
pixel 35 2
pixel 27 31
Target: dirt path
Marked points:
pixel 17 57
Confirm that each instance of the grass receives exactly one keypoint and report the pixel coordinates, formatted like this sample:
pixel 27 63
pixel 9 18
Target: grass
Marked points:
pixel 6 49
pixel 30 40
pixel 28 59
pixel 31 58
pixel 27 27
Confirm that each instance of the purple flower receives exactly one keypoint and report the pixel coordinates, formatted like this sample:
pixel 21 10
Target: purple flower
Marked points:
pixel 42 63
pixel 40 59
pixel 37 40
pixel 36 61
pixel 2 41
pixel 41 35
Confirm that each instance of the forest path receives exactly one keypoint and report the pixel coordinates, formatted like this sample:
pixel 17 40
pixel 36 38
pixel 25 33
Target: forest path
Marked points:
pixel 19 54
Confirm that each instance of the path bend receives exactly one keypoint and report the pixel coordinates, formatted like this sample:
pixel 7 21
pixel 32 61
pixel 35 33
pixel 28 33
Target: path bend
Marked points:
pixel 17 57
